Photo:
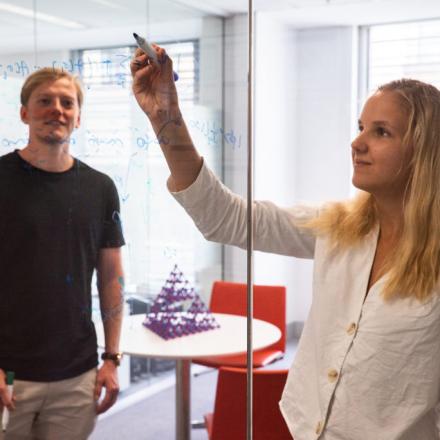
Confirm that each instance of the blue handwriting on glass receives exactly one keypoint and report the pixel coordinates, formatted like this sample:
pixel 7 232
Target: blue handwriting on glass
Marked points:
pixel 214 134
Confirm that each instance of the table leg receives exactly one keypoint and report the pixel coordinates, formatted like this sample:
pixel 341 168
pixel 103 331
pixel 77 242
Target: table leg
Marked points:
pixel 183 403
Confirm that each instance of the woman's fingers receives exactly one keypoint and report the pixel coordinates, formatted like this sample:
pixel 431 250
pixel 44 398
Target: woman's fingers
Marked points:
pixel 138 62
pixel 138 52
pixel 141 60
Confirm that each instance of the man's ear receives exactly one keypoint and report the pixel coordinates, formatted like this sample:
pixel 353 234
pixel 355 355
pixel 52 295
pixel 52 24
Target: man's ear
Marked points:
pixel 23 114
pixel 78 120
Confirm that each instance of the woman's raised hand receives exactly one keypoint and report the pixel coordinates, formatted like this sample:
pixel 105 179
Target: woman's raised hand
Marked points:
pixel 153 86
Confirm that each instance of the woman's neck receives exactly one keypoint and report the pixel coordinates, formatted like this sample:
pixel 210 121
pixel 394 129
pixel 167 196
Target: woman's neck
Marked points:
pixel 390 215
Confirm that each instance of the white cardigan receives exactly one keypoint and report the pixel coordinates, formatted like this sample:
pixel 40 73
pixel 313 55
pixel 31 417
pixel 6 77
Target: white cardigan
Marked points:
pixel 363 370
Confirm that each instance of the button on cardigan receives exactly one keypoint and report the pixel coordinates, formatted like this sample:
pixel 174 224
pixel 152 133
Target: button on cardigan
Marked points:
pixel 365 369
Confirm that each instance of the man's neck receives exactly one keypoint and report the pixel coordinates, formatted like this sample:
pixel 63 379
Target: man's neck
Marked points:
pixel 53 158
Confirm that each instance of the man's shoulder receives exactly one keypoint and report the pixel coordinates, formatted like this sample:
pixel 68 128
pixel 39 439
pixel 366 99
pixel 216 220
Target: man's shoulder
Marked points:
pixel 10 157
pixel 93 173
pixel 98 177
pixel 9 161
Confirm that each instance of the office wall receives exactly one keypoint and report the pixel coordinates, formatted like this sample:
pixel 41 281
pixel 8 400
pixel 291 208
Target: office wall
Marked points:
pixel 324 127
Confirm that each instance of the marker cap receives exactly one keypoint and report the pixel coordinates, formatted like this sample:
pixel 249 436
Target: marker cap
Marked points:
pixel 10 375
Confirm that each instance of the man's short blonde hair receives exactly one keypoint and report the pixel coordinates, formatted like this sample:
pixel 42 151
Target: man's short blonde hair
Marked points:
pixel 48 74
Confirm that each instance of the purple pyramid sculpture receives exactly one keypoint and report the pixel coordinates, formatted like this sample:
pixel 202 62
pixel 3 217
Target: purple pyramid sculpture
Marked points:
pixel 178 310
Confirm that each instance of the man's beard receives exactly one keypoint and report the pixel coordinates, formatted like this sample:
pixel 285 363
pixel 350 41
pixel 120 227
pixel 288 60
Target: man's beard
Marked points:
pixel 55 141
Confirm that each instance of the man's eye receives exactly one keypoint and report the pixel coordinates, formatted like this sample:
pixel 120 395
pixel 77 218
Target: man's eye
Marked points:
pixel 44 101
pixel 68 104
pixel 360 128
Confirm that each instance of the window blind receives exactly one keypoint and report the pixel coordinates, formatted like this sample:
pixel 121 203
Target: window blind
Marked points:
pixel 404 50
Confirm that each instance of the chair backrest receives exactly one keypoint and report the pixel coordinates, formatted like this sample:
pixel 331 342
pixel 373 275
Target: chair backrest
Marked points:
pixel 229 420
pixel 269 304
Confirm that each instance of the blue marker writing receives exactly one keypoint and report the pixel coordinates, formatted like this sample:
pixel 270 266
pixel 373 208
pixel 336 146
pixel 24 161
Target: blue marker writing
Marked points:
pixel 143 44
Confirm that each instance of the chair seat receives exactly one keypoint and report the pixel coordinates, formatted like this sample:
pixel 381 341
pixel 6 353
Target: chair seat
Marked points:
pixel 260 359
pixel 269 305
pixel 228 421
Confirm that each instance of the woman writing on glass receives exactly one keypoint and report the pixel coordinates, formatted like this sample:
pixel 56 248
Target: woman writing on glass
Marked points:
pixel 368 361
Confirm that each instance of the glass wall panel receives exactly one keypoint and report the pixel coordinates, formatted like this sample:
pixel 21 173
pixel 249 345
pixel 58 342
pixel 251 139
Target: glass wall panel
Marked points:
pixel 93 39
pixel 316 63
pixel 115 136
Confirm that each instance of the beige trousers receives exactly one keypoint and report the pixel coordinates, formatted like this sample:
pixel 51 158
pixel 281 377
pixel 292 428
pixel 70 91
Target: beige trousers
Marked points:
pixel 61 410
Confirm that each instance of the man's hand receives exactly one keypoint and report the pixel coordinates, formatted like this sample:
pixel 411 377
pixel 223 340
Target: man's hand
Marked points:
pixel 107 377
pixel 5 398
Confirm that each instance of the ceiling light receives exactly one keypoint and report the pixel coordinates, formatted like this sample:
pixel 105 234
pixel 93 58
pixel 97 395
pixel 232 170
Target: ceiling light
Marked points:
pixel 26 12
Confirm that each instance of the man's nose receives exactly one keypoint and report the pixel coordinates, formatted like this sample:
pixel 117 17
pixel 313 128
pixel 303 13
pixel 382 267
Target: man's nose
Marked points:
pixel 56 106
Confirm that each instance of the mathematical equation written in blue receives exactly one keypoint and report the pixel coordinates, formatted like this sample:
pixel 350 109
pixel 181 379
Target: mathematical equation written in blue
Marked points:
pixel 117 67
pixel 100 143
pixel 93 140
pixel 214 134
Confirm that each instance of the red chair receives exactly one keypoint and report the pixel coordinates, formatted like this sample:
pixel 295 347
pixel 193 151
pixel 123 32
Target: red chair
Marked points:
pixel 269 305
pixel 228 422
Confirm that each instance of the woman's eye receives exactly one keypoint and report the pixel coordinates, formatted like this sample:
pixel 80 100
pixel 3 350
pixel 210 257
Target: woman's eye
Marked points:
pixel 382 132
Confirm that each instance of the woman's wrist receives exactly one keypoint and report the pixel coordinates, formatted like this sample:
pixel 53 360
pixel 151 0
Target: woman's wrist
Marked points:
pixel 161 117
pixel 171 123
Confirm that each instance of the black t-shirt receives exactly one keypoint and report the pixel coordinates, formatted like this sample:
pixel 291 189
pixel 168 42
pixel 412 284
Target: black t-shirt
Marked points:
pixel 52 226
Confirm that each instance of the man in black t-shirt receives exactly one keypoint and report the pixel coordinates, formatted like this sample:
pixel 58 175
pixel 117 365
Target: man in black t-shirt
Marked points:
pixel 59 221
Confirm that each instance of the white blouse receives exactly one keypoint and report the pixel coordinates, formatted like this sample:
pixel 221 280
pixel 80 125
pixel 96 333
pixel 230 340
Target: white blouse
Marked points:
pixel 365 369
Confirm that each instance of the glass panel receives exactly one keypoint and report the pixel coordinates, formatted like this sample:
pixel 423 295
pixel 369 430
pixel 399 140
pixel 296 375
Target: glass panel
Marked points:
pixel 93 39
pixel 316 62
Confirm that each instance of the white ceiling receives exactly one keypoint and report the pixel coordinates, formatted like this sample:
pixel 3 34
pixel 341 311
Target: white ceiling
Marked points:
pixel 109 22
pixel 302 13
pixel 305 13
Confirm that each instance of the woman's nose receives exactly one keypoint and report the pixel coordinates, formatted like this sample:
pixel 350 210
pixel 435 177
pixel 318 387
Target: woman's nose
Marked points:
pixel 358 143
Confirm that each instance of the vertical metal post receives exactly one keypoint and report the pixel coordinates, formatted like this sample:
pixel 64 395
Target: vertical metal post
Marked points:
pixel 250 304
pixel 183 402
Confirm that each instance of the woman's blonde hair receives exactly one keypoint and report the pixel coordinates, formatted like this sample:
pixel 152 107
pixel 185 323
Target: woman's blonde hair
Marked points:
pixel 48 74
pixel 414 267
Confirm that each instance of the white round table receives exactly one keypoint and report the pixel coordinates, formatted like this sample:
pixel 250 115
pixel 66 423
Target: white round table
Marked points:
pixel 229 339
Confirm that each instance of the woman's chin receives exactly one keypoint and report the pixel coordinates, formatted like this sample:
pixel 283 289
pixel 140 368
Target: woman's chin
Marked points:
pixel 363 186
